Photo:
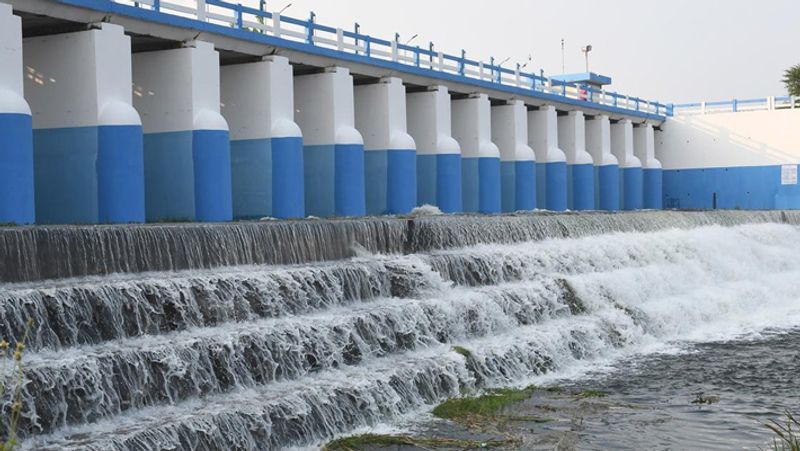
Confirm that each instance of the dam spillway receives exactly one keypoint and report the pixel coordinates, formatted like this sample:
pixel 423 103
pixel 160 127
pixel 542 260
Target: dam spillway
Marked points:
pixel 241 348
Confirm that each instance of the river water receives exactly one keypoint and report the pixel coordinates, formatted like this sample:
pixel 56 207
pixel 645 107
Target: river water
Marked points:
pixel 280 356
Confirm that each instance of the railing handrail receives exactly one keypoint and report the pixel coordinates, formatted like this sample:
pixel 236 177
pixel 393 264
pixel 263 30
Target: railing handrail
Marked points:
pixel 738 105
pixel 316 34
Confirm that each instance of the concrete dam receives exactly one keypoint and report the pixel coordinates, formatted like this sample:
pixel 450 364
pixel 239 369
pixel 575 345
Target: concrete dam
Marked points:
pixel 228 229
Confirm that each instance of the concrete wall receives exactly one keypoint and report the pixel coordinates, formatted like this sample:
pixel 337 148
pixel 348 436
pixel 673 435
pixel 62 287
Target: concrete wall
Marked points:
pixel 731 160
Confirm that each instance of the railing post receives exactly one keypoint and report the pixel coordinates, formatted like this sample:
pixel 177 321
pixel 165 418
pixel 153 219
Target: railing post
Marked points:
pixel 156 5
pixel 395 43
pixel 771 103
pixel 462 63
pixel 616 100
pixel 702 108
pixel 734 105
pixel 310 28
pixel 636 102
pixel 657 105
pixel 416 57
pixel 340 39
pixel 430 55
pixel 563 89
pixel 276 25
pixel 516 75
pixel 480 70
pixel 441 61
pixel 239 18
pixel 491 69
pixel 367 47
pixel 357 28
pixel 201 10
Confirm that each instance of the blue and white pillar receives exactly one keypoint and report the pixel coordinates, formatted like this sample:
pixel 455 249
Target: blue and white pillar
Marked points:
pixel 606 167
pixel 16 135
pixel 266 144
pixel 644 147
pixel 390 156
pixel 186 142
pixel 630 166
pixel 517 160
pixel 438 154
pixel 551 163
pixel 480 157
pixel 333 150
pixel 88 163
pixel 580 167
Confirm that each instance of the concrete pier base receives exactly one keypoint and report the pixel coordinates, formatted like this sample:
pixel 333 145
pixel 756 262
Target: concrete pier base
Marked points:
pixel 16 127
pixel 438 154
pixel 551 163
pixel 187 147
pixel 630 166
pixel 390 156
pixel 480 157
pixel 88 160
pixel 517 159
pixel 266 143
pixel 606 166
pixel 580 167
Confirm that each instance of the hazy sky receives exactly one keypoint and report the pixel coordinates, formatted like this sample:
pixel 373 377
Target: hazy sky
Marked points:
pixel 666 50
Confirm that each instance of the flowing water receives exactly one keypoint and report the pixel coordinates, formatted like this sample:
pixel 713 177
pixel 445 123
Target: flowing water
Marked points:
pixel 233 338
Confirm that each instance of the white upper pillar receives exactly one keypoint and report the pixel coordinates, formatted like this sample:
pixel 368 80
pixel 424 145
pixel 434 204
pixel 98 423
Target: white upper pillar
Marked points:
pixel 572 138
pixel 644 146
pixel 598 141
pixel 324 108
pixel 12 99
pixel 429 122
pixel 543 135
pixel 622 144
pixel 472 127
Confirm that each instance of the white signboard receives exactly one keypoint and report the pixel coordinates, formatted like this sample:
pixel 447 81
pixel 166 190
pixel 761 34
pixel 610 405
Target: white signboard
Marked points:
pixel 789 174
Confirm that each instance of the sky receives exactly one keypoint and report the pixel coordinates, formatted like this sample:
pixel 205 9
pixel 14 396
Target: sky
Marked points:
pixel 666 50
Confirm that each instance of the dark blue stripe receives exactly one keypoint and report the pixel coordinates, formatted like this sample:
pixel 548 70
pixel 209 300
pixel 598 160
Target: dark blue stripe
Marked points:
pixel 120 174
pixel 16 169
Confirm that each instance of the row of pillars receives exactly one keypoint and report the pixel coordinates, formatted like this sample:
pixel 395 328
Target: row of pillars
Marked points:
pixel 199 142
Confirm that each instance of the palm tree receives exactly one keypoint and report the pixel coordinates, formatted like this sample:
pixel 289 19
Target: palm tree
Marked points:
pixel 791 78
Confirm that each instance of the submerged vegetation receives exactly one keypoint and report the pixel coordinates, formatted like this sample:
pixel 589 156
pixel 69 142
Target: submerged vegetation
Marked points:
pixel 358 442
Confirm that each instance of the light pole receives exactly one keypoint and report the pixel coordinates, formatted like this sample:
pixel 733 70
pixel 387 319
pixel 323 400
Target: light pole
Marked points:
pixel 586 51
pixel 563 71
pixel 284 9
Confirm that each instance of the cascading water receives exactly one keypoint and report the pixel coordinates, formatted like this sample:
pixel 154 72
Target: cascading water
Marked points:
pixel 266 357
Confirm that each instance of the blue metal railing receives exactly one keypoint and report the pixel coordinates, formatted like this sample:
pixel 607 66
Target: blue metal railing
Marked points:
pixel 737 105
pixel 354 42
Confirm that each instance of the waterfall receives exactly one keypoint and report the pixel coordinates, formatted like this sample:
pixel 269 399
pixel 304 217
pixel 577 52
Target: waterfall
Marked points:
pixel 272 354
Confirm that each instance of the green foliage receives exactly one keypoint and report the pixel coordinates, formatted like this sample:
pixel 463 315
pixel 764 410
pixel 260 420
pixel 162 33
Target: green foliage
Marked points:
pixel 788 433
pixel 486 405
pixel 791 78
pixel 11 440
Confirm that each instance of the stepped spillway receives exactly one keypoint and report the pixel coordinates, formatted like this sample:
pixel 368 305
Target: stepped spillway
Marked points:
pixel 265 348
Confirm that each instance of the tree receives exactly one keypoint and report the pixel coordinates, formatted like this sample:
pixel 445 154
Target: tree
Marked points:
pixel 791 78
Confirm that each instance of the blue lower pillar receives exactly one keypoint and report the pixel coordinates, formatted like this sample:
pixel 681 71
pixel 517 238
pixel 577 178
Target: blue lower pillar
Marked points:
pixel 16 169
pixel 518 184
pixel 211 157
pixel 653 189
pixel 439 182
pixel 169 176
pixel 391 181
pixel 349 180
pixel 632 189
pixel 335 182
pixel 581 183
pixel 552 180
pixel 288 197
pixel 608 183
pixel 481 184
pixel 120 174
